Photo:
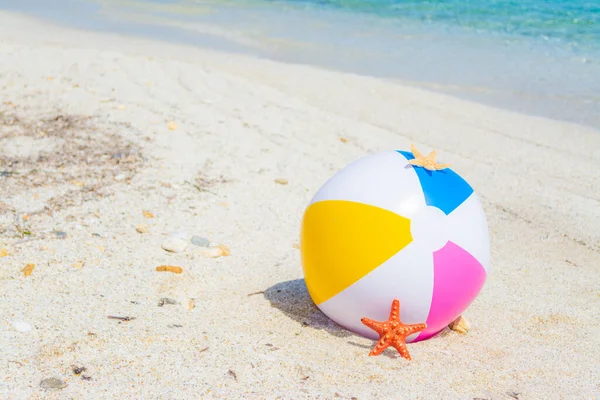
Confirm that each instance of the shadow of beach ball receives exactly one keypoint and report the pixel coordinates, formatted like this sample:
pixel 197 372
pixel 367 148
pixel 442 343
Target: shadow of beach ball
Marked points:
pixel 382 229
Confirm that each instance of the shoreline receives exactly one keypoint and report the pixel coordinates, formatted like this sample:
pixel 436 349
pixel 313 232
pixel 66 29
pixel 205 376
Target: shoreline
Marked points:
pixel 540 80
pixel 117 142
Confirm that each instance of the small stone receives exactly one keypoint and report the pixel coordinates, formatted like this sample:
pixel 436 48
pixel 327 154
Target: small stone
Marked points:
pixel 211 252
pixel 344 140
pixel 281 181
pixel 167 301
pixel 21 326
pixel 141 228
pixel 28 269
pixel 175 244
pixel 53 384
pixel 200 241
pixel 169 268
pixel 147 214
pixel 78 370
pixel 3 253
pixel 60 234
pixel 121 107
pixel 120 177
pixel 172 125
pixel 191 304
pixel 224 249
pixel 460 325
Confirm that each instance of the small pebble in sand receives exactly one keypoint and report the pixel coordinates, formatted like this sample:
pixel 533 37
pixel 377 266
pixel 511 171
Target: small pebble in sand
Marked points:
pixel 141 228
pixel 224 250
pixel 78 370
pixel 172 125
pixel 53 384
pixel 3 253
pixel 200 241
pixel 60 234
pixel 147 214
pixel 344 140
pixel 281 181
pixel 120 177
pixel 211 252
pixel 174 244
pixel 28 269
pixel 191 304
pixel 21 326
pixel 167 301
pixel 460 325
pixel 169 268
pixel 121 107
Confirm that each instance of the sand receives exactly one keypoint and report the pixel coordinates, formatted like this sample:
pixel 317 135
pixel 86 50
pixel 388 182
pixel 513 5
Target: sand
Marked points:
pixel 101 133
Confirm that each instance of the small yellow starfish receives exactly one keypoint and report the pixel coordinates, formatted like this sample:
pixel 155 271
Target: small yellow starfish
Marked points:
pixel 426 162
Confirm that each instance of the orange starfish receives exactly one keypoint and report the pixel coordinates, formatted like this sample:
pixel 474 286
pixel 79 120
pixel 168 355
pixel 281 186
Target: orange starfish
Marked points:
pixel 426 162
pixel 392 332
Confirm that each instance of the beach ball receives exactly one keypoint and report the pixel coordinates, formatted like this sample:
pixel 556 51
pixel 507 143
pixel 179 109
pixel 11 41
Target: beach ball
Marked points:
pixel 395 225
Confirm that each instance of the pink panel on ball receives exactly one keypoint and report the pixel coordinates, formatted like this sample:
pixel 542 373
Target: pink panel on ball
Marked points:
pixel 457 279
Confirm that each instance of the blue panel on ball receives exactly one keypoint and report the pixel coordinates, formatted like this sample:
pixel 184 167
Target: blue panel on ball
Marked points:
pixel 443 189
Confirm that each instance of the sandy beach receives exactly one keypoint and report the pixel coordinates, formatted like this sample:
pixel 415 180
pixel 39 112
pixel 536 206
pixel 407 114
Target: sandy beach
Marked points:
pixel 109 144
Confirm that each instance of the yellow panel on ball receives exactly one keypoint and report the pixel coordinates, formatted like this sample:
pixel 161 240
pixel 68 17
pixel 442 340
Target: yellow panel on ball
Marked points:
pixel 342 241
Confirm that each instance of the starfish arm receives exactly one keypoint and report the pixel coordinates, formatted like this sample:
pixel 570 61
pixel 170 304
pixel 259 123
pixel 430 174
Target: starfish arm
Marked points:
pixel 441 166
pixel 415 152
pixel 381 345
pixel 375 325
pixel 416 161
pixel 395 311
pixel 402 349
pixel 431 156
pixel 415 328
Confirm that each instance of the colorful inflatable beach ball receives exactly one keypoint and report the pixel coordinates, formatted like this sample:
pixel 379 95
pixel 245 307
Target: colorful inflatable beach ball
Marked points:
pixel 382 229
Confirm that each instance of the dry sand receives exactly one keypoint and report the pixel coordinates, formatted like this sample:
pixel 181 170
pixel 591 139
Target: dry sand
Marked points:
pixel 86 148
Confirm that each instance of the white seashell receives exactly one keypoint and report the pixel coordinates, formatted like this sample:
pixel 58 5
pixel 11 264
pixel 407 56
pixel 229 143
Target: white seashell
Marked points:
pixel 174 244
pixel 212 252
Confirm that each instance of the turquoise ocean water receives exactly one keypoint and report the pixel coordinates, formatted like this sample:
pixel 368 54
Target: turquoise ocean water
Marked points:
pixel 535 56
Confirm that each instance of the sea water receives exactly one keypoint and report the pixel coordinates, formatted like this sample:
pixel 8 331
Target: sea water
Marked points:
pixel 539 57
